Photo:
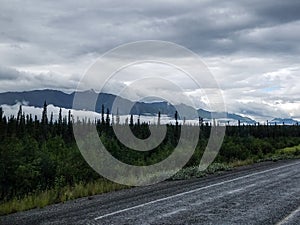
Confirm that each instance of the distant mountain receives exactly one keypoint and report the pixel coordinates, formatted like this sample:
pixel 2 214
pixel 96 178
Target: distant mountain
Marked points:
pixel 60 99
pixel 37 98
pixel 287 121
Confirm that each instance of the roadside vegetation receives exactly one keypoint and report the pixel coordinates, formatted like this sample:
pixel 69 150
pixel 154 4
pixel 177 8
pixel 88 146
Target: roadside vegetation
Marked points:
pixel 40 163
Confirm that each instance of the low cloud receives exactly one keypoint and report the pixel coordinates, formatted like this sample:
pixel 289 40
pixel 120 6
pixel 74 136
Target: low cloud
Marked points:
pixel 250 46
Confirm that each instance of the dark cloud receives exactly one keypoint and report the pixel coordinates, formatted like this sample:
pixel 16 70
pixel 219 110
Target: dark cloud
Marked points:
pixel 8 74
pixel 71 29
pixel 276 11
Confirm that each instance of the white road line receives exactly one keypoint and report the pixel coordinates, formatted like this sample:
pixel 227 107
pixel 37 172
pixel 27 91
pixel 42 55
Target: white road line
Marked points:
pixel 174 212
pixel 191 191
pixel 287 219
pixel 241 189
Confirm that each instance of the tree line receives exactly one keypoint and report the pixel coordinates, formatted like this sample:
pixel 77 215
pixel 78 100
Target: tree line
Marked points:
pixel 39 154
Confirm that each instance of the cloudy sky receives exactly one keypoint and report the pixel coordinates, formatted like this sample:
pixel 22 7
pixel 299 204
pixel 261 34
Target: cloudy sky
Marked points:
pixel 251 47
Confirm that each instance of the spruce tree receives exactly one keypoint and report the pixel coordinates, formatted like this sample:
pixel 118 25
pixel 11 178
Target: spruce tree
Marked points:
pixel 158 120
pixel 60 117
pixel 19 114
pixel 44 114
pixel 102 115
pixel 131 120
pixel 107 121
pixel 176 118
pixel 44 122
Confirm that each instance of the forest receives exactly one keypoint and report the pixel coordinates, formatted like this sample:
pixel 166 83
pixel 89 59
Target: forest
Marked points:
pixel 37 156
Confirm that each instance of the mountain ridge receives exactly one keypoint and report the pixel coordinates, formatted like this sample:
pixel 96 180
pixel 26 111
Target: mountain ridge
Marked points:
pixel 61 99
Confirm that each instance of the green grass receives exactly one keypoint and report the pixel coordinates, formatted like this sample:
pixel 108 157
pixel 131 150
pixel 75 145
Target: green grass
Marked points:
pixel 193 172
pixel 295 151
pixel 238 163
pixel 48 197
pixel 281 154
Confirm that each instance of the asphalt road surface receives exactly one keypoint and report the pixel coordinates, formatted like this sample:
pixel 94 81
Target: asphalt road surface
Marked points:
pixel 265 193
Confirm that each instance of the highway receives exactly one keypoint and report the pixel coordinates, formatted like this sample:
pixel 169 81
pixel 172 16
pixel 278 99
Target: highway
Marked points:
pixel 264 193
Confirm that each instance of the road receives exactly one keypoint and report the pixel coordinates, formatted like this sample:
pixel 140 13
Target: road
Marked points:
pixel 264 193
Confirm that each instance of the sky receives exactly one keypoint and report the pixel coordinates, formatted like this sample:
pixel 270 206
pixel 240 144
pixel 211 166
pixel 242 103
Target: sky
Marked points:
pixel 251 47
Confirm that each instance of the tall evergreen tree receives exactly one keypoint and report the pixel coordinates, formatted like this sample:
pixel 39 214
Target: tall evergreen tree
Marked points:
pixel 44 114
pixel 176 118
pixel 102 115
pixel 60 117
pixel 131 120
pixel 158 120
pixel 69 117
pixel 107 121
pixel 19 115
pixel 44 122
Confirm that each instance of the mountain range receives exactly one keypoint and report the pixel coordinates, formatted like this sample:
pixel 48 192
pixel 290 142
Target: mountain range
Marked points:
pixel 57 98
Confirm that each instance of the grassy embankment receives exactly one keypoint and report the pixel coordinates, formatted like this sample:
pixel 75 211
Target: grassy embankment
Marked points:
pixel 57 195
